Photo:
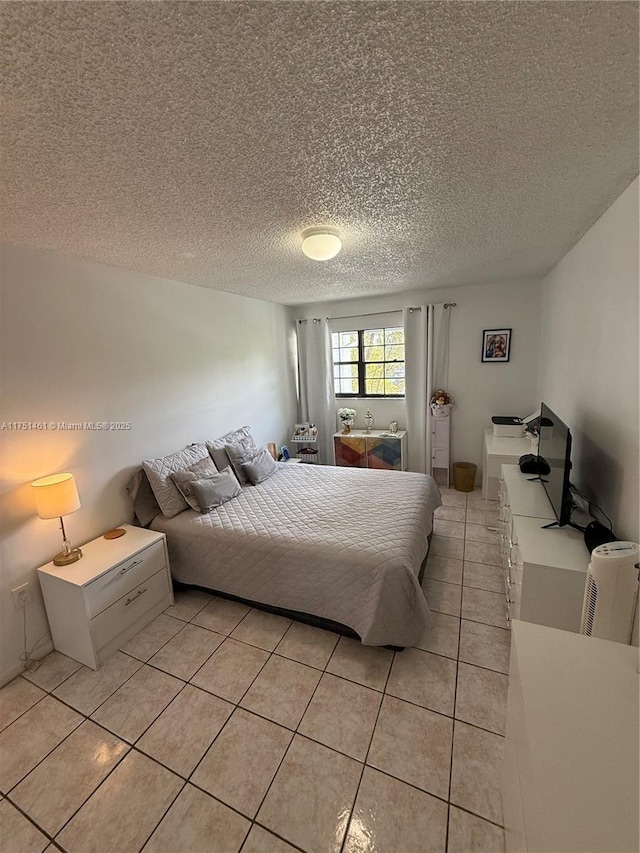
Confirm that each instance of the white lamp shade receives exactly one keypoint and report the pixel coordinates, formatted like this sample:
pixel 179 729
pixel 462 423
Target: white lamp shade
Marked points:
pixel 56 495
pixel 321 244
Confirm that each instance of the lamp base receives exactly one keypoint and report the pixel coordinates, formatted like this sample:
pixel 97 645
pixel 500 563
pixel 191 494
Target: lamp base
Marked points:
pixel 63 559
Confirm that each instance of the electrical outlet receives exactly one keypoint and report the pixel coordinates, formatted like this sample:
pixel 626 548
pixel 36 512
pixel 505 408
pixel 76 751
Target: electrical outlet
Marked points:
pixel 21 596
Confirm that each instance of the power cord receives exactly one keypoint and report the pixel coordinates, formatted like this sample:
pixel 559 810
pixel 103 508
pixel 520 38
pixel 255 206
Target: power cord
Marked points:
pixel 30 664
pixel 590 504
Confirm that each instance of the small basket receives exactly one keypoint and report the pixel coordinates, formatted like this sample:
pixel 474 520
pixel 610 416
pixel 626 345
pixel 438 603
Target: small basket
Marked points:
pixel 464 476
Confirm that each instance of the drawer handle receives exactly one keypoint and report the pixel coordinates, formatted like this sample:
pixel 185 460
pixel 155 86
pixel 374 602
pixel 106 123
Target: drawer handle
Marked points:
pixel 128 568
pixel 134 597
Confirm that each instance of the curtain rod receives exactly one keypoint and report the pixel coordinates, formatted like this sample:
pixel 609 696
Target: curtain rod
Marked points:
pixel 372 313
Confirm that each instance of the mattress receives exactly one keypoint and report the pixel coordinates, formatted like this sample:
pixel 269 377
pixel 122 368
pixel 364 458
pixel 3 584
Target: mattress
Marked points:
pixel 344 544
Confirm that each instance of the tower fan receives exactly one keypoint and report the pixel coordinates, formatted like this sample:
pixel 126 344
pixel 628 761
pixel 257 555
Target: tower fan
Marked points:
pixel 611 592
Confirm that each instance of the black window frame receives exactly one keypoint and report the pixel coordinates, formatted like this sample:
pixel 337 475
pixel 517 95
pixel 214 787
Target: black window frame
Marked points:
pixel 361 363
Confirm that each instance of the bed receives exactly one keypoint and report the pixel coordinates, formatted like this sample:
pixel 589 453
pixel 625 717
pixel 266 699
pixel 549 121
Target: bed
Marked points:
pixel 341 544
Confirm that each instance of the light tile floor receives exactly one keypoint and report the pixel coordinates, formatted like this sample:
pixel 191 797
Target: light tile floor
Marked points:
pixel 222 729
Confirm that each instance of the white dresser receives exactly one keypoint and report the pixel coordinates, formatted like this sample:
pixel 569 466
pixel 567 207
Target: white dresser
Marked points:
pixel 545 570
pixel 570 769
pixel 111 593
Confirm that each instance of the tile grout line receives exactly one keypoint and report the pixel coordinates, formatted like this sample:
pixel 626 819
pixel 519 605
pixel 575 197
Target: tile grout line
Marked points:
pixel 296 732
pixel 455 692
pixel 366 757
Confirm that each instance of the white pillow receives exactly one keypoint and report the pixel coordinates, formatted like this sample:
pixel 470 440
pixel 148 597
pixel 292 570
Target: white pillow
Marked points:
pixel 159 472
pixel 238 436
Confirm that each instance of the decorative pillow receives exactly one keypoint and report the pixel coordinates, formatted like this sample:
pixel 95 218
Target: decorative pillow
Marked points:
pixel 217 447
pixel 210 492
pixel 145 505
pixel 184 480
pixel 159 473
pixel 259 467
pixel 238 454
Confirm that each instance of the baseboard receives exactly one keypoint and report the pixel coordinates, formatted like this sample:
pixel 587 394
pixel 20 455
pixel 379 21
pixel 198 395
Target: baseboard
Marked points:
pixel 17 669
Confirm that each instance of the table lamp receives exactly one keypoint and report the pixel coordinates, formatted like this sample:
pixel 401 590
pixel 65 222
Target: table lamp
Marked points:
pixel 56 496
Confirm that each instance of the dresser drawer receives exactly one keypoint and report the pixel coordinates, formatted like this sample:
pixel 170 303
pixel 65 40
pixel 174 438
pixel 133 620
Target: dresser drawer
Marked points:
pixel 116 618
pixel 127 575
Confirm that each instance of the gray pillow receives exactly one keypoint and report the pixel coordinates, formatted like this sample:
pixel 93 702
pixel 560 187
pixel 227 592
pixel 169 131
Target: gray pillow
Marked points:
pixel 238 453
pixel 217 447
pixel 259 467
pixel 145 505
pixel 185 479
pixel 210 492
pixel 159 473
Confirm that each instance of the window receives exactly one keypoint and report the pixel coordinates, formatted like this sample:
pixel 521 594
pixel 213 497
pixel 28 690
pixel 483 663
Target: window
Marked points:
pixel 369 362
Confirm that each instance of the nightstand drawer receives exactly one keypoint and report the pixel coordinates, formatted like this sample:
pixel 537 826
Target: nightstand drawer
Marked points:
pixel 127 575
pixel 115 619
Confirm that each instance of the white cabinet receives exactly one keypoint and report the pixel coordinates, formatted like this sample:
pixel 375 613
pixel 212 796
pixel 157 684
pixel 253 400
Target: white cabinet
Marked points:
pixel 100 602
pixel 496 453
pixel 440 431
pixel 570 769
pixel 545 570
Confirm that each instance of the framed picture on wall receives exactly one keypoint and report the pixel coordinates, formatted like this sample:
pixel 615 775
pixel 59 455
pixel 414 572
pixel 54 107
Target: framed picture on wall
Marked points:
pixel 496 345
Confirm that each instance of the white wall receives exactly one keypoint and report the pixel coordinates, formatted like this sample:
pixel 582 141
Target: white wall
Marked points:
pixel 589 358
pixel 85 342
pixel 479 390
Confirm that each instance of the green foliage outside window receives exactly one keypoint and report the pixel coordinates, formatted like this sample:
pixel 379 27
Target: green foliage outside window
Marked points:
pixel 369 363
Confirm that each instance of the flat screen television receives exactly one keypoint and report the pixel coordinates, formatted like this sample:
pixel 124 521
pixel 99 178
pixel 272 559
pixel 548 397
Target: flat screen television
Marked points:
pixel 554 454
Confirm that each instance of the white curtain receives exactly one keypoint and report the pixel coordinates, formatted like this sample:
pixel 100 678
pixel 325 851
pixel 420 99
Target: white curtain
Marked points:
pixel 316 401
pixel 426 335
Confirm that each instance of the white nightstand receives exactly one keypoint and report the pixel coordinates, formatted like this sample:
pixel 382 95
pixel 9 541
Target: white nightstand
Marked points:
pixel 100 602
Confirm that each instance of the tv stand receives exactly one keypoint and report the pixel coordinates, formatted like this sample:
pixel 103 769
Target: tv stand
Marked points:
pixel 557 524
pixel 545 565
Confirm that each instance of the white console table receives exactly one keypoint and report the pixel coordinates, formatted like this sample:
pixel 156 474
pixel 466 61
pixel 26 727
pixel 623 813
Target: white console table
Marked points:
pixel 545 570
pixel 570 769
pixel 498 452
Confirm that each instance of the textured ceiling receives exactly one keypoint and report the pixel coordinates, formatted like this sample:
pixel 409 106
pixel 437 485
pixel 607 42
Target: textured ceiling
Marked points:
pixel 450 142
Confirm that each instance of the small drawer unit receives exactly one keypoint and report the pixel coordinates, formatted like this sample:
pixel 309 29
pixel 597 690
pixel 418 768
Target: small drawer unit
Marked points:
pixel 100 602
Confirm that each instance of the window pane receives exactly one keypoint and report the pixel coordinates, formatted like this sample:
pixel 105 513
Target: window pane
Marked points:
pixel 348 339
pixel 373 337
pixel 372 371
pixel 336 355
pixel 394 370
pixel 374 386
pixel 374 353
pixel 394 352
pixel 348 371
pixel 347 386
pixel 350 354
pixel 335 340
pixel 394 336
pixel 394 386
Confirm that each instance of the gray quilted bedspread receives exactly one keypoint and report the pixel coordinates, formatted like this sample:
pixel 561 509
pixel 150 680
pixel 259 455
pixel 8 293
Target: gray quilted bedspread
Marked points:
pixel 341 543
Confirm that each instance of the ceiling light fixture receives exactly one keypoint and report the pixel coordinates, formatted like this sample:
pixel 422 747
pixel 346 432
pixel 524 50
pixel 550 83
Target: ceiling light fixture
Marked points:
pixel 321 244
